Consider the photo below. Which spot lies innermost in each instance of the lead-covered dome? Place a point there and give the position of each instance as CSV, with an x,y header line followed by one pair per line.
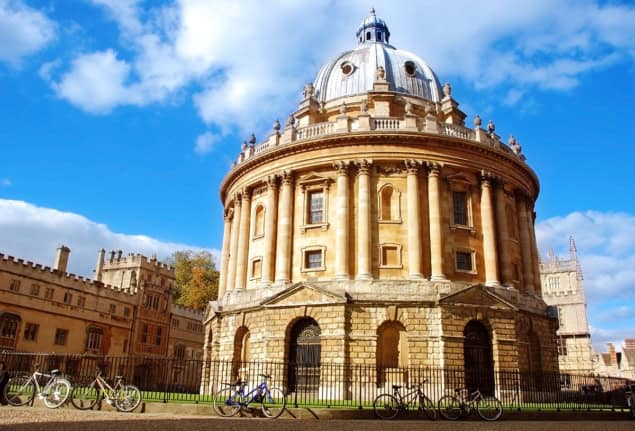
x,y
354,72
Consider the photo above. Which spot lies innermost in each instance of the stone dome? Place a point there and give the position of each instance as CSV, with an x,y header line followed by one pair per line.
x,y
353,72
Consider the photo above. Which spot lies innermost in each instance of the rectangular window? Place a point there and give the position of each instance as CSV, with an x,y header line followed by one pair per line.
x,y
464,261
175,323
61,335
390,256
126,312
561,343
313,259
256,268
144,333
30,331
94,339
554,282
316,207
35,289
560,318
112,309
125,346
81,301
68,297
459,201
15,286
157,338
48,293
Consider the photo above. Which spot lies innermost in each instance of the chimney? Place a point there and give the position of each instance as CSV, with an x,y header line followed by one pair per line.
x,y
99,268
61,258
612,353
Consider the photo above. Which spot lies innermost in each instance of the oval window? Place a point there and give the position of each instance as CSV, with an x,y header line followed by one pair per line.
x,y
347,68
410,68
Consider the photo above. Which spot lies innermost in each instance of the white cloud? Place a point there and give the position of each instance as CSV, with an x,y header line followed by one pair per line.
x,y
205,143
23,31
6,182
34,233
237,57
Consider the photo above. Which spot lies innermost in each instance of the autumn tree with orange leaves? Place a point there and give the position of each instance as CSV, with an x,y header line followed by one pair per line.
x,y
196,278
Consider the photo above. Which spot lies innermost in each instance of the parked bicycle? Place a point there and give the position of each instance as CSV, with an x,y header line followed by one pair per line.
x,y
452,407
21,390
125,398
388,406
232,398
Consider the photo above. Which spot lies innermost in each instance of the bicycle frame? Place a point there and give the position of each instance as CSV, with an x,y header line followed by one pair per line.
x,y
408,398
34,377
257,391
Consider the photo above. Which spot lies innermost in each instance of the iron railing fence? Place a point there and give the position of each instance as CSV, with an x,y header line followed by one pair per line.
x,y
329,384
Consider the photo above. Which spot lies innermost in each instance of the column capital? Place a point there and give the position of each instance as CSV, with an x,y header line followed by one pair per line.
x,y
341,167
236,197
272,182
434,168
522,196
245,194
412,166
228,214
363,166
286,177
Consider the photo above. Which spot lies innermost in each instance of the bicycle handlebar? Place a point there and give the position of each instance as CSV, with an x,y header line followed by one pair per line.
x,y
265,376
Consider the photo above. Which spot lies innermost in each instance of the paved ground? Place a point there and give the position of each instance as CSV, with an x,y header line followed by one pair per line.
x,y
36,419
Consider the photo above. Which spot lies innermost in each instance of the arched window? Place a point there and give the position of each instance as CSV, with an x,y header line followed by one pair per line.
x,y
241,351
9,323
389,204
368,35
94,336
259,221
304,356
477,357
392,345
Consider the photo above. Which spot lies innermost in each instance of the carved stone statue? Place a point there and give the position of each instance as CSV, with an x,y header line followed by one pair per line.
x,y
409,108
363,106
308,90
447,89
290,121
381,73
514,145
491,126
477,121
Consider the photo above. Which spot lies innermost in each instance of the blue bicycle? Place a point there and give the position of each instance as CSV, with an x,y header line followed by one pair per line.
x,y
232,398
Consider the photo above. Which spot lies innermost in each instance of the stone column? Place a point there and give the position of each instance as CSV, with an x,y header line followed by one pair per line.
x,y
436,231
285,226
503,235
224,257
230,281
534,250
271,216
363,221
342,271
243,240
525,243
415,248
489,234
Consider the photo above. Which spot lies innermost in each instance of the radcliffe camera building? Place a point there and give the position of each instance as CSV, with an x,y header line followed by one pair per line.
x,y
374,227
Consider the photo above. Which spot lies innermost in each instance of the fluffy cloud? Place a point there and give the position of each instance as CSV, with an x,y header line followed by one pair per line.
x,y
34,233
205,143
235,58
23,31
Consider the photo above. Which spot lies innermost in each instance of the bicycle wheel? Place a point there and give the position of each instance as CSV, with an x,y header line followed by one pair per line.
x,y
449,407
19,390
274,401
428,408
386,406
57,393
127,398
489,409
85,397
227,402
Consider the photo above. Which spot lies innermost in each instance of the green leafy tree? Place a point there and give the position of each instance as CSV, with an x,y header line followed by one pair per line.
x,y
196,278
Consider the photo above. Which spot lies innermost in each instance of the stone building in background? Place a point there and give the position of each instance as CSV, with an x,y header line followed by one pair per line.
x,y
563,287
125,311
374,227
616,364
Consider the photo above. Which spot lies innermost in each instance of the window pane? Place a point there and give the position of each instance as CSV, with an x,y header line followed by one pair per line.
x,y
464,261
313,259
460,208
316,207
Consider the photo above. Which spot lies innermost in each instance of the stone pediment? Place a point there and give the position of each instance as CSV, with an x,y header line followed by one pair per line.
x,y
306,294
477,295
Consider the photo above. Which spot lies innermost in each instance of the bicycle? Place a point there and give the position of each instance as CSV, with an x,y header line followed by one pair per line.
x,y
452,407
21,390
230,400
125,398
387,406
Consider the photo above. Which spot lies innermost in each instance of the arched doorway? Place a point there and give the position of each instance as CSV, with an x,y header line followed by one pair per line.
x,y
241,356
305,352
392,353
477,357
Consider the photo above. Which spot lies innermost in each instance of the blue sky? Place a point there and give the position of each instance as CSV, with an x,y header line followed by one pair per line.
x,y
119,118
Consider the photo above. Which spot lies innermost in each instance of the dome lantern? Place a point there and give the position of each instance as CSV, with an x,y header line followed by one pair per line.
x,y
373,29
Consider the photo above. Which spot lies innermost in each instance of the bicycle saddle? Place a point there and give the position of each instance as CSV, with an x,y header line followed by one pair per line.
x,y
56,372
118,377
396,386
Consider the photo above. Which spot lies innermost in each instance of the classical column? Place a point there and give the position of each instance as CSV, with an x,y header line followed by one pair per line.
x,y
525,243
489,234
285,226
271,214
503,235
243,240
534,250
224,257
230,281
436,232
415,248
342,271
363,221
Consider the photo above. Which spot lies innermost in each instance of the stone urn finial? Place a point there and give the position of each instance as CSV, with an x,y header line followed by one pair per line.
x,y
308,90
381,73
491,126
276,126
514,145
447,90
290,121
477,121
252,140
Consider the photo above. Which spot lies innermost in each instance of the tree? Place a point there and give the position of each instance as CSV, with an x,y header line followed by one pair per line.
x,y
196,278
